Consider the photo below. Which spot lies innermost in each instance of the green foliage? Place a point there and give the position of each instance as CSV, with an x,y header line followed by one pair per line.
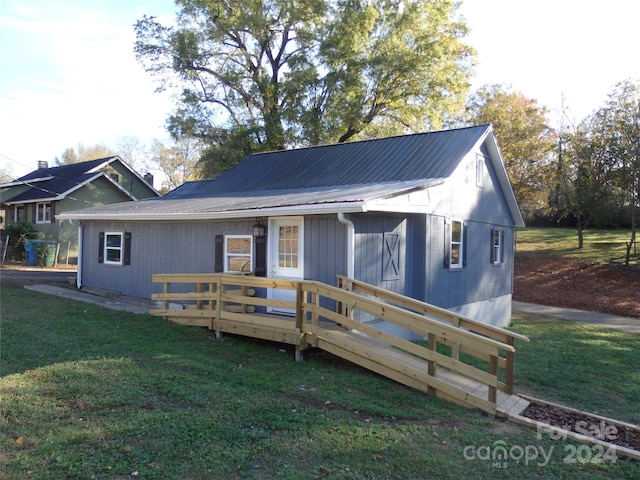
x,y
95,393
598,166
282,73
18,232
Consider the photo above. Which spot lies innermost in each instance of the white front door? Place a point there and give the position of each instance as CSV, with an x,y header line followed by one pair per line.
x,y
286,260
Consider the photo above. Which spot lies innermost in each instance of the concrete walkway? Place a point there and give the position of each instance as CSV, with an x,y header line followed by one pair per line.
x,y
626,324
141,305
114,302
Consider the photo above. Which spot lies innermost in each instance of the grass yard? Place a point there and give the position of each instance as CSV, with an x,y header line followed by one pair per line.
x,y
94,393
600,246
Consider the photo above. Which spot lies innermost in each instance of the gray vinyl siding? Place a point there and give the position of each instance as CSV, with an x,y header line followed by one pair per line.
x,y
178,247
370,251
188,247
480,279
325,248
371,255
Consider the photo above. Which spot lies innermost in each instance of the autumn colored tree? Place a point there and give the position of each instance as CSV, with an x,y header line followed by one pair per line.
x,y
178,162
526,141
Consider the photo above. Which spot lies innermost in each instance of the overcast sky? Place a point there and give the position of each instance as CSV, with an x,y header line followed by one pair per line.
x,y
68,73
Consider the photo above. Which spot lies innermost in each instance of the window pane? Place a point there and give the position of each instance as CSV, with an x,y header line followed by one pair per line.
x,y
113,255
456,231
239,245
238,264
114,241
455,254
288,246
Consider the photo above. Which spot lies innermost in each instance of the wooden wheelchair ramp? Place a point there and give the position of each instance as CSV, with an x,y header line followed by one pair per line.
x,y
460,359
413,371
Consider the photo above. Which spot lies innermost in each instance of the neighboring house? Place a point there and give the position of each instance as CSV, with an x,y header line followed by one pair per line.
x,y
42,195
431,216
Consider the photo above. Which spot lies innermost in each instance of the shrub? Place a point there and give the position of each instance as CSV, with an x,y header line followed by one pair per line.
x,y
18,232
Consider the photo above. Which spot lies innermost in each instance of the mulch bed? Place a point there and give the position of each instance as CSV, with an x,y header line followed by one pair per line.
x,y
571,283
580,423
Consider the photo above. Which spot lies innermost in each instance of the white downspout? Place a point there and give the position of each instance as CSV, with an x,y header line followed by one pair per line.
x,y
351,242
79,269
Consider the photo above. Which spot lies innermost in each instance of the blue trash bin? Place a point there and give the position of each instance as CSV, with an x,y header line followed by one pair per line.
x,y
45,252
30,254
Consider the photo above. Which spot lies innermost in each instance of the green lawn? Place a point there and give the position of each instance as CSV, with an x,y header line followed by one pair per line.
x,y
601,246
93,393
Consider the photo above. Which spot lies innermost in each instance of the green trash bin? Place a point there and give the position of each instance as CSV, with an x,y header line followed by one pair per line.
x,y
45,252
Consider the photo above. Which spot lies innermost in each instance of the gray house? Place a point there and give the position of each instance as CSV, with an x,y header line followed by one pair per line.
x,y
431,216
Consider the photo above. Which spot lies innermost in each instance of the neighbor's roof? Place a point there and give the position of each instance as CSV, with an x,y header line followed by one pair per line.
x,y
323,179
55,183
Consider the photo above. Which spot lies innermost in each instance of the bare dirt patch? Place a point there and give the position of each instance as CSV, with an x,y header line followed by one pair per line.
x,y
570,283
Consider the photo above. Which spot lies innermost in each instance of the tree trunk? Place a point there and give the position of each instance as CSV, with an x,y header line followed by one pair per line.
x,y
580,229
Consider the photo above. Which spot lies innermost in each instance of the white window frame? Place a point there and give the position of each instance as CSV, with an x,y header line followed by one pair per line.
x,y
17,209
43,214
479,171
108,248
458,244
227,255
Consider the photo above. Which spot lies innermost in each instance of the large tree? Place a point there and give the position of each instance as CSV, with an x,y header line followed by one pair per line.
x,y
620,127
270,74
525,138
584,174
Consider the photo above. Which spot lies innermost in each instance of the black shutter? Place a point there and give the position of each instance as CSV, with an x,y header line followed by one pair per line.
x,y
447,242
260,268
219,251
101,247
127,248
53,212
492,257
502,246
465,227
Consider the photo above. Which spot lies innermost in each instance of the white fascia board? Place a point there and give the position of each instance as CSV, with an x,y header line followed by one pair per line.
x,y
489,139
26,182
125,165
37,200
91,179
319,209
415,201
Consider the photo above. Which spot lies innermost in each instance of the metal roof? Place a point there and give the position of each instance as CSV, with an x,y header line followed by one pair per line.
x,y
343,198
423,156
324,179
